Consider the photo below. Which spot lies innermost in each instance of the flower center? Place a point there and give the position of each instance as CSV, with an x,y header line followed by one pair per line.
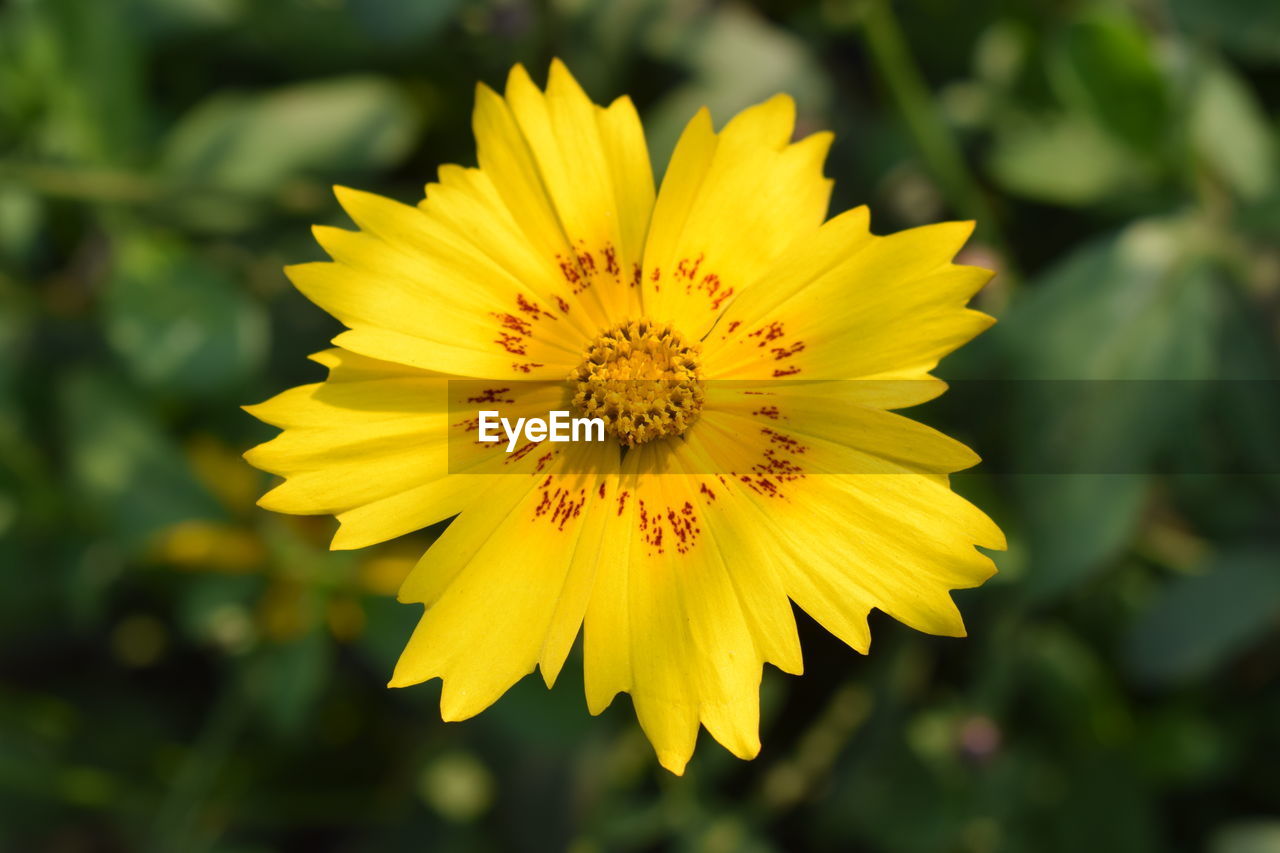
x,y
642,379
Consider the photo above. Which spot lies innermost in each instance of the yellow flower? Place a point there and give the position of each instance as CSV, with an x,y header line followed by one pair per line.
x,y
679,558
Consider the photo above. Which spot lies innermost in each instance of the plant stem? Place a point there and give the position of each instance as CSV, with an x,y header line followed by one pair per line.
x,y
895,65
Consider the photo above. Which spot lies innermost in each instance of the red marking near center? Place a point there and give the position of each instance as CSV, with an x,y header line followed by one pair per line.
x,y
786,442
779,353
520,453
562,505
513,344
689,269
490,395
668,526
768,333
527,307
577,270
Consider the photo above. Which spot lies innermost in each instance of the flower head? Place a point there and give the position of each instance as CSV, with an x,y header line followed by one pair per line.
x,y
744,357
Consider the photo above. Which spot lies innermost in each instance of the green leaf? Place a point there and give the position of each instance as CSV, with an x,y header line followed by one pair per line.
x,y
181,326
1064,159
1253,836
737,58
292,677
255,143
1230,130
1075,524
123,466
1135,305
22,223
1079,699
1200,622
397,22
1113,320
165,20
1103,64
1180,745
1250,28
96,85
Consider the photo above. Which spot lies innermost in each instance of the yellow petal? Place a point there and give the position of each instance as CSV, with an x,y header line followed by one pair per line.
x,y
347,366
414,508
730,204
843,304
843,414
391,455
577,180
466,203
681,618
416,351
493,584
890,537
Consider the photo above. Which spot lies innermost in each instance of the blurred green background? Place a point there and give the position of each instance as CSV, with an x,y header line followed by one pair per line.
x,y
180,671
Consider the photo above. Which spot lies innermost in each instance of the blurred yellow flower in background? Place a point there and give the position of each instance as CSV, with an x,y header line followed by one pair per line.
x,y
307,585
744,356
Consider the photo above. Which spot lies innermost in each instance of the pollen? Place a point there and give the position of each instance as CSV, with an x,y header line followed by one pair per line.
x,y
642,379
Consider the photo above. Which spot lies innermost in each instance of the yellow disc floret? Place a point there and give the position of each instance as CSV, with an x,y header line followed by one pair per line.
x,y
642,379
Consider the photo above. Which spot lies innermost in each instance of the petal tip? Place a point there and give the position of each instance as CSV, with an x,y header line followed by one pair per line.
x,y
673,762
518,77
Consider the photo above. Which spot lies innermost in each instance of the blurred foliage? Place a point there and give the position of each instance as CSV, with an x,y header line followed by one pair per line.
x,y
182,671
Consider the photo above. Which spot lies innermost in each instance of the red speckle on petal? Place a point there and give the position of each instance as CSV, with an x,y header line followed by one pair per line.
x,y
780,353
526,307
490,395
768,333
